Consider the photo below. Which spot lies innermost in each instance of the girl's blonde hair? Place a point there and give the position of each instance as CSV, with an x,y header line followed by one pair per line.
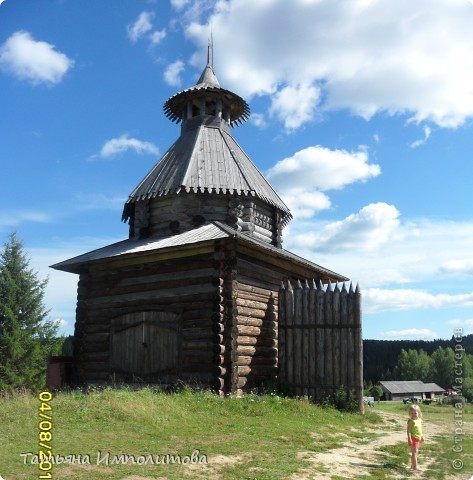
x,y
416,408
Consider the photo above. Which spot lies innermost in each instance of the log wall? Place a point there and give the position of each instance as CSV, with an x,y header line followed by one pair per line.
x,y
188,290
320,341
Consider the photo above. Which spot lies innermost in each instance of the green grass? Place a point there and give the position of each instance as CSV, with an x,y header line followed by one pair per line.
x,y
260,435
249,438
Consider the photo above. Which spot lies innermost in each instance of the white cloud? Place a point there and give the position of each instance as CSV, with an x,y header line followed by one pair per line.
x,y
258,120
116,146
157,36
458,267
411,333
382,300
140,27
418,143
366,230
323,169
295,105
367,57
179,4
34,61
302,178
172,73
16,218
305,204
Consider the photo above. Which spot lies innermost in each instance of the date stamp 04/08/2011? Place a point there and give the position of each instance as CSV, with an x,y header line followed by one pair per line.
x,y
45,436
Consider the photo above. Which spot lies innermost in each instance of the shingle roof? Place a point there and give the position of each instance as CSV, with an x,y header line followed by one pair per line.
x,y
206,158
410,386
205,233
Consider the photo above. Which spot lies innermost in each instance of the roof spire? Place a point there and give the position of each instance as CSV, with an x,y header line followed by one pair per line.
x,y
210,51
208,75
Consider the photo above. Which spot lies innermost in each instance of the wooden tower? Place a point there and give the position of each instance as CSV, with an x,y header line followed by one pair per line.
x,y
192,294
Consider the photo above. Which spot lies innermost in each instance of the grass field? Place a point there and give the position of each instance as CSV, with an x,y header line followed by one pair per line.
x,y
254,437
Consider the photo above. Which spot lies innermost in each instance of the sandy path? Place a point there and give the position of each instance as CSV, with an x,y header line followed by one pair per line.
x,y
357,457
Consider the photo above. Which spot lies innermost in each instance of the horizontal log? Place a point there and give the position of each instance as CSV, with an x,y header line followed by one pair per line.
x,y
117,273
197,357
257,291
203,344
197,369
96,357
243,302
244,360
267,342
194,314
219,371
252,350
251,312
162,296
250,331
189,334
258,370
92,366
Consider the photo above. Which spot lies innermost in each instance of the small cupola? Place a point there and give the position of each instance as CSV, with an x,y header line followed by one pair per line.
x,y
207,98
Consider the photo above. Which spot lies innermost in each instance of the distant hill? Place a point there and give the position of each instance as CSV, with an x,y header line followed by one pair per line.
x,y
380,356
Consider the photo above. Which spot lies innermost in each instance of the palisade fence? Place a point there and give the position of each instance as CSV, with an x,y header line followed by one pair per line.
x,y
320,346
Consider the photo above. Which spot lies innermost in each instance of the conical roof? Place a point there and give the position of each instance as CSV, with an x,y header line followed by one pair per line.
x,y
207,159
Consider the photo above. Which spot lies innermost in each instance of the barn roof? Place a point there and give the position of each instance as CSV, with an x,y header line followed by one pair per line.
x,y
409,386
206,233
206,158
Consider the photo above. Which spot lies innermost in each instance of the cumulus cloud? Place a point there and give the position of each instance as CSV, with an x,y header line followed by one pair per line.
x,y
295,105
367,57
324,169
172,73
458,267
117,146
377,300
411,333
371,227
34,61
303,177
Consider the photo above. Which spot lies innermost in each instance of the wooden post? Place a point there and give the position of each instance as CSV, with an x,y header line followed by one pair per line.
x,y
289,333
358,347
328,321
305,343
320,339
336,337
297,337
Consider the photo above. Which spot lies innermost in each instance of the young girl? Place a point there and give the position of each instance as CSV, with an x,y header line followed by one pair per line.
x,y
414,433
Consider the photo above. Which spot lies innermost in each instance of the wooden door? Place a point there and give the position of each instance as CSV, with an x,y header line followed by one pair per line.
x,y
145,346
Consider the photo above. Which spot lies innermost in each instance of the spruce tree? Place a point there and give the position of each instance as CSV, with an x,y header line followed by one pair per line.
x,y
26,336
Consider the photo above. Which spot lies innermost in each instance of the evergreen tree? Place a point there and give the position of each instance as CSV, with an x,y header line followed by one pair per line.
x,y
26,336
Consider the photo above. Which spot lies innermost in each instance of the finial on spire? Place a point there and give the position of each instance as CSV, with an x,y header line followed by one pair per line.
x,y
210,51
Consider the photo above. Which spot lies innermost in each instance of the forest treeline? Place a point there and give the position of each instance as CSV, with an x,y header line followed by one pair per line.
x,y
380,357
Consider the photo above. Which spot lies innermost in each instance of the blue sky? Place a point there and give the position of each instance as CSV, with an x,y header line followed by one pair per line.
x,y
361,119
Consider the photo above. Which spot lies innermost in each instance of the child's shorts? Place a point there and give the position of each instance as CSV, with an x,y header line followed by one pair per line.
x,y
415,441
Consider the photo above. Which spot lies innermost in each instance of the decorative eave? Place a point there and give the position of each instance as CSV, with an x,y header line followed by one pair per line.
x,y
176,105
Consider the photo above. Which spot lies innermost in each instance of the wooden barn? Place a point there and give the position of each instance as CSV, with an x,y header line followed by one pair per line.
x,y
192,294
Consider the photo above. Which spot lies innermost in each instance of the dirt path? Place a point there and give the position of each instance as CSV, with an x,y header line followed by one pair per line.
x,y
359,457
